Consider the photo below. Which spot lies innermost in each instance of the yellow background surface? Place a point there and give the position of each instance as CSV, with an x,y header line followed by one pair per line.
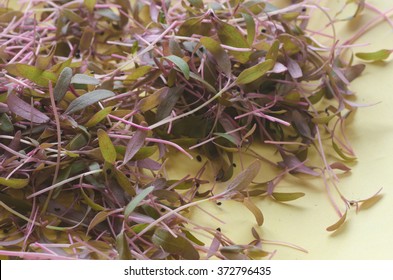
x,y
366,234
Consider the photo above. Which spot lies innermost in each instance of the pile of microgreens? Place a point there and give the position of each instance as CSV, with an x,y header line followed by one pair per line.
x,y
96,96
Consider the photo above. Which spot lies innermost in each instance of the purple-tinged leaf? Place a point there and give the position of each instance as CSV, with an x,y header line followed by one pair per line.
x,y
146,163
354,71
84,80
340,166
88,99
3,108
293,163
63,82
175,245
98,218
301,124
244,178
294,69
219,54
25,110
135,144
254,210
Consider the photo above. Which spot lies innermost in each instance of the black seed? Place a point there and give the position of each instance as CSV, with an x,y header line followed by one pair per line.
x,y
57,209
263,30
234,164
77,54
218,229
198,158
304,9
218,203
108,172
162,209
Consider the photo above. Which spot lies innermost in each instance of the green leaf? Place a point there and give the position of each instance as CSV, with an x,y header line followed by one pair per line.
x,y
25,110
374,56
108,13
87,39
63,82
194,26
137,73
14,183
153,100
244,178
34,74
100,217
124,182
338,224
123,247
84,80
273,50
227,136
43,62
196,3
88,99
72,16
89,4
341,153
287,196
250,25
208,86
174,245
106,146
254,210
218,53
181,64
98,117
255,72
231,36
90,202
136,200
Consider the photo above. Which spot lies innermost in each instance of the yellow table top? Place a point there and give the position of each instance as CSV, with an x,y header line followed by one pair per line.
x,y
303,222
